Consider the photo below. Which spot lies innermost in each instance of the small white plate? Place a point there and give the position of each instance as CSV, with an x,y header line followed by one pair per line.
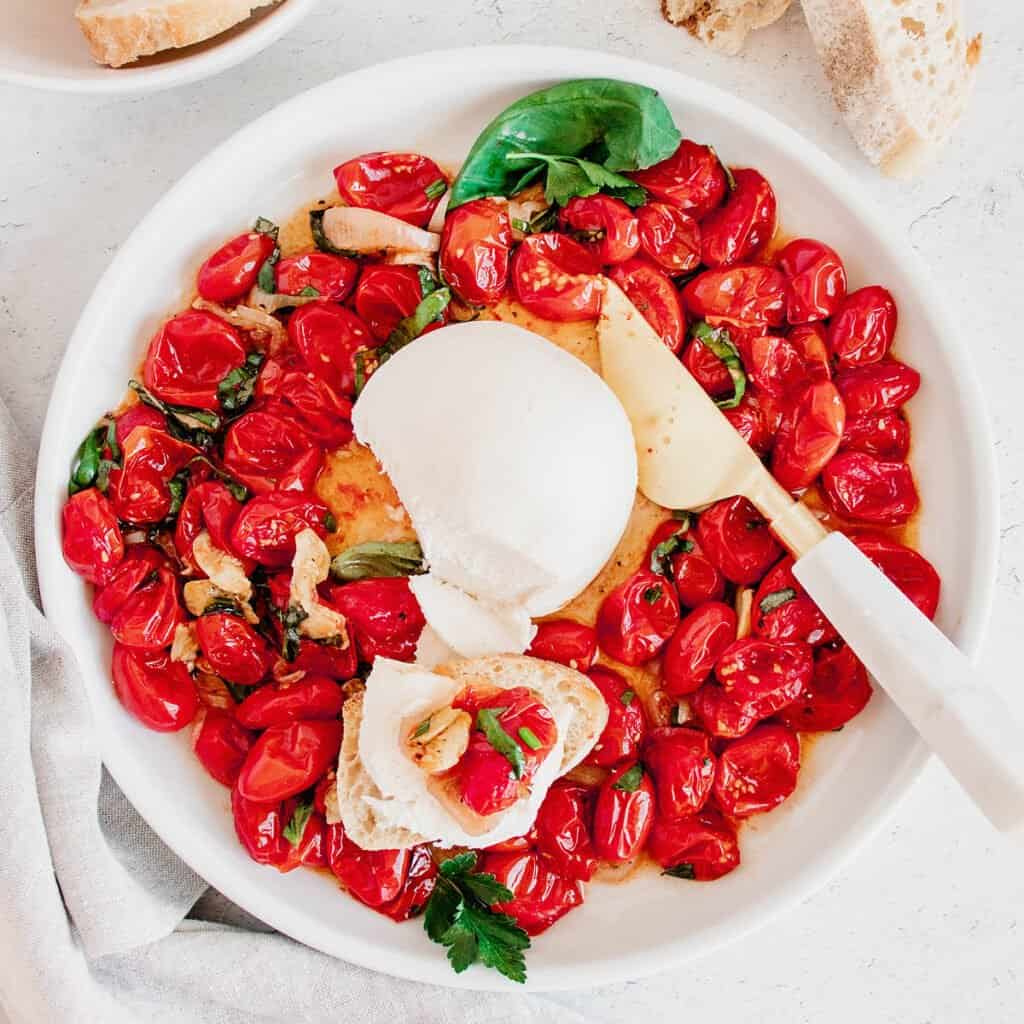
x,y
437,103
42,46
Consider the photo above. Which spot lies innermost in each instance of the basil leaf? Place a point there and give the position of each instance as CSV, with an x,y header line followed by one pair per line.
x,y
197,426
292,639
86,465
222,606
629,122
529,737
236,389
718,342
377,559
652,595
266,280
683,870
309,292
629,782
776,599
320,239
431,308
428,283
627,697
487,722
177,485
436,189
422,728
661,556
263,226
300,817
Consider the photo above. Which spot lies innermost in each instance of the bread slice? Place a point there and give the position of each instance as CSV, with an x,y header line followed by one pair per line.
x,y
723,24
901,73
121,31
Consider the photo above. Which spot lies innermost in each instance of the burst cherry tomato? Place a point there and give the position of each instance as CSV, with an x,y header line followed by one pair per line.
x,y
783,612
751,295
886,435
741,227
301,476
259,827
92,543
736,538
311,698
809,435
817,280
707,369
623,814
157,691
556,278
287,759
695,646
404,185
692,179
670,237
759,671
475,248
310,847
143,603
908,569
775,366
261,446
809,342
626,723
637,617
328,337
606,226
673,551
726,718
209,506
265,529
138,415
861,487
221,744
879,386
386,295
750,419
189,356
838,690
234,649
567,642
683,768
139,566
563,831
319,411
652,292
756,773
862,330
332,277
140,490
540,896
232,270
374,877
384,617
702,847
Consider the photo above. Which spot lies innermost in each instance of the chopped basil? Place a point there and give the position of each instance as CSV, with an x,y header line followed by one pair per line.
x,y
238,490
652,595
377,559
266,280
197,426
222,606
297,826
717,341
661,556
683,870
629,782
263,226
292,639
237,691
177,485
309,292
236,389
487,722
529,737
422,727
428,283
330,523
436,189
627,697
430,309
90,467
359,361
520,225
323,243
776,599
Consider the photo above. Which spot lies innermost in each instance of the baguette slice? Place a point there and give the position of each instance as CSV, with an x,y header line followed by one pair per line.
x,y
723,24
121,31
901,73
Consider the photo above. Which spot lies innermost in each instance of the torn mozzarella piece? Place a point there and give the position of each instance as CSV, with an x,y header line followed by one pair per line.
x,y
310,567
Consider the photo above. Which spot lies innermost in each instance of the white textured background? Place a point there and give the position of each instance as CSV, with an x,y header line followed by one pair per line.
x,y
927,926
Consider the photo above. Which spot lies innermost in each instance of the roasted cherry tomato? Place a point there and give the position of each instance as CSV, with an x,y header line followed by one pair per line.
x,y
683,768
637,617
221,744
726,718
670,237
736,538
692,179
138,415
92,543
784,613
746,295
306,399
809,342
908,569
623,814
751,422
775,366
817,280
604,225
756,670
287,759
384,616
374,877
310,847
328,336
756,773
741,227
420,878
140,490
879,386
301,476
707,369
475,249
540,896
859,486
808,436
234,649
485,778
695,646
626,723
886,435
139,566
702,847
838,690
144,604
261,446
404,185
265,529
862,330
157,691
673,551
189,356
387,294
232,270
331,277
567,642
556,278
209,506
652,292
311,698
259,827
563,831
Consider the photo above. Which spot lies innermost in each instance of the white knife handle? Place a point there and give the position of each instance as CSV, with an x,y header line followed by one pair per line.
x,y
966,724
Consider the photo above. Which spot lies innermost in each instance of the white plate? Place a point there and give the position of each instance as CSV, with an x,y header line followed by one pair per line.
x,y
437,103
41,46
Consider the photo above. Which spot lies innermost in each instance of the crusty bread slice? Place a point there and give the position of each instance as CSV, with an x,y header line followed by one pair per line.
x,y
901,73
723,24
121,31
